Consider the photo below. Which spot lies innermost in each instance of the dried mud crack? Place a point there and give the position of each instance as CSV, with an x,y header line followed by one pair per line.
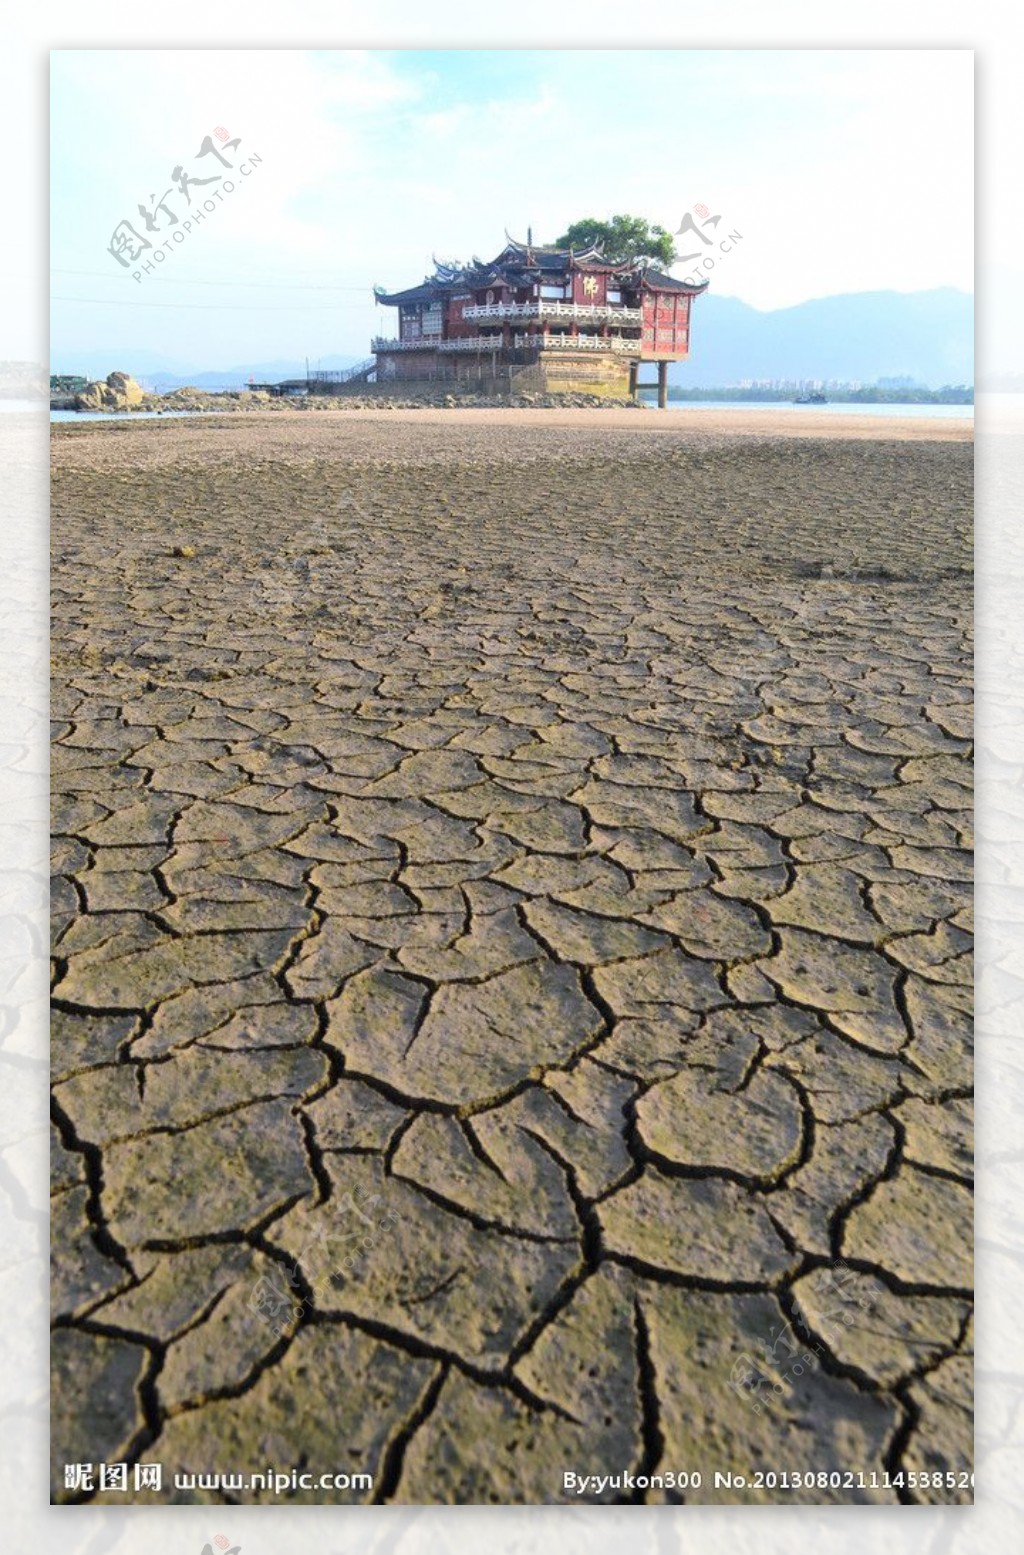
x,y
511,933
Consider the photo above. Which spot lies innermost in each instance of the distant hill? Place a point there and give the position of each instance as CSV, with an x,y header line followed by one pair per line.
x,y
238,377
161,373
855,337
22,380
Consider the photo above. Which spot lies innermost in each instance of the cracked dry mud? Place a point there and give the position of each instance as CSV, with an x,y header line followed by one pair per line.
x,y
513,884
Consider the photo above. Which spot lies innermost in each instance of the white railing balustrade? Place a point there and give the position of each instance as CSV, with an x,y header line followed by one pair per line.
x,y
435,343
577,343
473,343
532,342
581,312
500,310
380,344
595,313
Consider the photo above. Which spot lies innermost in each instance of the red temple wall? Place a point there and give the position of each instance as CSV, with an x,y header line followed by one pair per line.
x,y
666,323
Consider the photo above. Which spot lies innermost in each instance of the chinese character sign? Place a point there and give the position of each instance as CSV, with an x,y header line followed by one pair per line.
x,y
192,195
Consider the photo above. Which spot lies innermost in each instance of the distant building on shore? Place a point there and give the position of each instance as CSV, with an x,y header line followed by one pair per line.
x,y
534,318
65,389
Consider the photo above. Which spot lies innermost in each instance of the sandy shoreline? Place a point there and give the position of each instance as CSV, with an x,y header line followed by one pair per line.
x,y
631,447
741,423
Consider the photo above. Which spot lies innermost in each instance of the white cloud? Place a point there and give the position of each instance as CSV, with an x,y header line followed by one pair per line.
x,y
844,171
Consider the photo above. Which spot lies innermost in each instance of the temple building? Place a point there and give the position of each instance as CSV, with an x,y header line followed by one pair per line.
x,y
547,319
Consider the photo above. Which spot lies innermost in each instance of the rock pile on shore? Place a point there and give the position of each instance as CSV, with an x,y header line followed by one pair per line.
x,y
120,392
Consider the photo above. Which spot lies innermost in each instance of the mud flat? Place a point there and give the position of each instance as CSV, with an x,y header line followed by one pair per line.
x,y
511,933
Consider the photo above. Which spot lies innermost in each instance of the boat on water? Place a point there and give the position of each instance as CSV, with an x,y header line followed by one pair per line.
x,y
814,398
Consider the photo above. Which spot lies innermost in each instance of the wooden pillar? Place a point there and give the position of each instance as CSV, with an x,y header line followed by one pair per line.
x,y
662,385
633,369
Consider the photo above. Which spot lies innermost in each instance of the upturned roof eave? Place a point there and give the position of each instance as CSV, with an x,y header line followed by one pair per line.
x,y
530,262
658,281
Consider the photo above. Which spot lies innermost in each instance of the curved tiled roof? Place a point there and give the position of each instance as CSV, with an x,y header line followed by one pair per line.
x,y
427,291
658,281
519,264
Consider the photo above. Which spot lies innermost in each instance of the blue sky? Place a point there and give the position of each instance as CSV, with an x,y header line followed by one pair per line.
x,y
843,171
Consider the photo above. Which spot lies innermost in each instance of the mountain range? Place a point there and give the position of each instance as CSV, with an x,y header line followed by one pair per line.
x,y
161,373
856,337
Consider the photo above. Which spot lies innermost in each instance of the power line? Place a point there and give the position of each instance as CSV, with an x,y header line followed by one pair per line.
x,y
210,307
105,275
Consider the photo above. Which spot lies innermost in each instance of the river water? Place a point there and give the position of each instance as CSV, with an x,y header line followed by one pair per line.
x,y
911,412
